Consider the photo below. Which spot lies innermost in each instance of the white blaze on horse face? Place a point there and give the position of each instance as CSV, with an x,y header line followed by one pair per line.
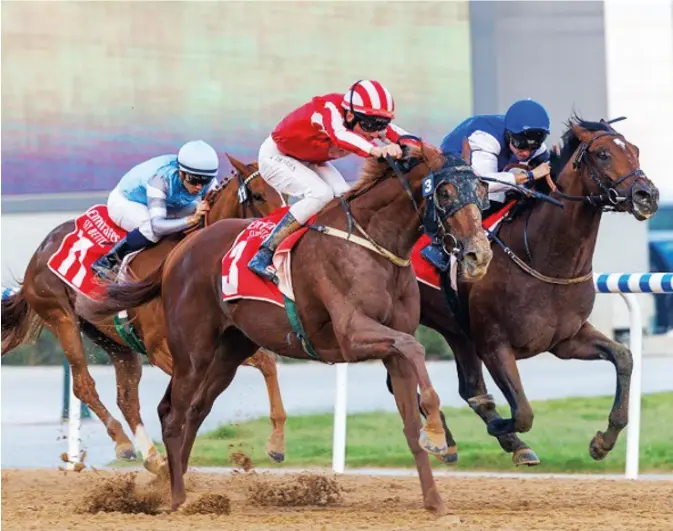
x,y
620,143
144,441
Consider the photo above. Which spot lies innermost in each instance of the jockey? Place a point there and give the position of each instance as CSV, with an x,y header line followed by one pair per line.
x,y
158,197
294,159
494,141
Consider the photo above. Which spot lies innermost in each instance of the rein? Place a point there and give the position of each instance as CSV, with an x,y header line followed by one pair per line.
x,y
431,218
608,199
244,198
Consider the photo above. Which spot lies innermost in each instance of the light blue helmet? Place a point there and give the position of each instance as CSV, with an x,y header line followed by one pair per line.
x,y
525,115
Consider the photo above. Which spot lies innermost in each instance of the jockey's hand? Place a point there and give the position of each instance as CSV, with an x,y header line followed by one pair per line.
x,y
541,171
201,210
394,150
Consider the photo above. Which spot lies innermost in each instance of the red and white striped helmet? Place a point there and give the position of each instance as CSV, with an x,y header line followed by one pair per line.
x,y
371,98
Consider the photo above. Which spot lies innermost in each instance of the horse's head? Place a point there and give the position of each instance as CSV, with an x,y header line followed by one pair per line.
x,y
245,195
453,198
609,169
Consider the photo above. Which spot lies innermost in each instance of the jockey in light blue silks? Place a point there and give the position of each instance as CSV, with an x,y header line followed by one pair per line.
x,y
496,140
158,197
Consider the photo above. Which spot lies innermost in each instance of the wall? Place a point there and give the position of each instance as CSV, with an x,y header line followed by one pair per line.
x,y
83,100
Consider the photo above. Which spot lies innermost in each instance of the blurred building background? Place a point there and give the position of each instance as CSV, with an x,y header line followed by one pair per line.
x,y
90,89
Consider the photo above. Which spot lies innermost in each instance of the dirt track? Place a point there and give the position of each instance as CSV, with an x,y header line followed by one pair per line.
x,y
46,499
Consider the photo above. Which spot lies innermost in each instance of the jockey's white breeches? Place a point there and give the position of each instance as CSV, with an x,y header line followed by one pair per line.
x,y
130,215
315,184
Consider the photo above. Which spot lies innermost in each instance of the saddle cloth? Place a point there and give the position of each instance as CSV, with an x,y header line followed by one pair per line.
x,y
95,234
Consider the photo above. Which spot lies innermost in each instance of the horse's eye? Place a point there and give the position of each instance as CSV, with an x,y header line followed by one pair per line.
x,y
258,197
603,155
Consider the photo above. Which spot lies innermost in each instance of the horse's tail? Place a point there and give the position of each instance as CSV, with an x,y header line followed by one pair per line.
x,y
20,323
122,296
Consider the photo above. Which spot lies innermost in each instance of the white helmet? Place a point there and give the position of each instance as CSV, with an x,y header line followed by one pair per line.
x,y
199,158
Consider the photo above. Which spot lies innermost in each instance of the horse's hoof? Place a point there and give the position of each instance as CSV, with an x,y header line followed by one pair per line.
x,y
435,445
436,507
500,427
126,452
525,456
156,464
451,457
597,448
276,456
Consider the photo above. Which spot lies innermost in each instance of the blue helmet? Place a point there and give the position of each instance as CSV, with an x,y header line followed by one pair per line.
x,y
527,114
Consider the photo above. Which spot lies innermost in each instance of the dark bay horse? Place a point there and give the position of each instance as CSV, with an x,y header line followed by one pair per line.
x,y
538,292
355,304
45,300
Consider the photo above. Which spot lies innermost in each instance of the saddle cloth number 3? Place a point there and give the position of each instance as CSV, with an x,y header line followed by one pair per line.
x,y
230,281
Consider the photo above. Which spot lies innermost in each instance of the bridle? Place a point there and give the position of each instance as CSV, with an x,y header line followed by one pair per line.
x,y
610,196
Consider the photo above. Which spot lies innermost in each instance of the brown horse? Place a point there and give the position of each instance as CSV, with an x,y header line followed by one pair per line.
x,y
355,303
44,299
524,307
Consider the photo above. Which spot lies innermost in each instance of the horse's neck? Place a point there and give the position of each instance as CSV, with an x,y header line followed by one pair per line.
x,y
226,205
563,240
388,216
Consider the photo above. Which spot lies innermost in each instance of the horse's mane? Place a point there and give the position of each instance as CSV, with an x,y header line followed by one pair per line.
x,y
373,171
570,142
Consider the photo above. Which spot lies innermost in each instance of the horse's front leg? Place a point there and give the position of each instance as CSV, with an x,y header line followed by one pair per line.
x,y
500,361
362,338
265,362
590,344
472,389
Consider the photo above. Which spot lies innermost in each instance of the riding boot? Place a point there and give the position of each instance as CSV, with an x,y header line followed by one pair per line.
x,y
133,241
435,254
261,263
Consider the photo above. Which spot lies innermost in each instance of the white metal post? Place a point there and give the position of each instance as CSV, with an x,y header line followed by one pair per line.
x,y
74,424
636,346
340,404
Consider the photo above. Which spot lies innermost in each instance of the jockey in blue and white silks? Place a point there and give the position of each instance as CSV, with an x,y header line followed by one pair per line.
x,y
158,197
496,140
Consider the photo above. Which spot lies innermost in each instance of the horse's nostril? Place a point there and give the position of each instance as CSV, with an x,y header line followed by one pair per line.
x,y
471,257
642,197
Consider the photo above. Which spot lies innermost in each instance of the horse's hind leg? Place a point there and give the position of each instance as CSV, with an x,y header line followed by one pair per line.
x,y
65,327
266,363
472,389
590,344
234,348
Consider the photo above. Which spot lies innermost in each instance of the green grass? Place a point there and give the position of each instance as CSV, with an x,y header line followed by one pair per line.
x,y
561,433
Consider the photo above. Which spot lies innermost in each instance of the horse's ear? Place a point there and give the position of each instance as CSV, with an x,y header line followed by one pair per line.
x,y
237,164
582,134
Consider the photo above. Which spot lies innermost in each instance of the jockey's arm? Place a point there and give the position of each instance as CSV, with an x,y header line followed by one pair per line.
x,y
157,190
394,132
484,161
332,121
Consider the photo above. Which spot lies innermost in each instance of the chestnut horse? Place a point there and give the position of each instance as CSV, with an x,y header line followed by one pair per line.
x,y
355,303
44,299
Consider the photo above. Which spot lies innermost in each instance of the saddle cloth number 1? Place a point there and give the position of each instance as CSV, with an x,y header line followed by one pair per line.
x,y
77,252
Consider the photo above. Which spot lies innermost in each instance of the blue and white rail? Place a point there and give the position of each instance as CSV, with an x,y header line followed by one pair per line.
x,y
625,284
